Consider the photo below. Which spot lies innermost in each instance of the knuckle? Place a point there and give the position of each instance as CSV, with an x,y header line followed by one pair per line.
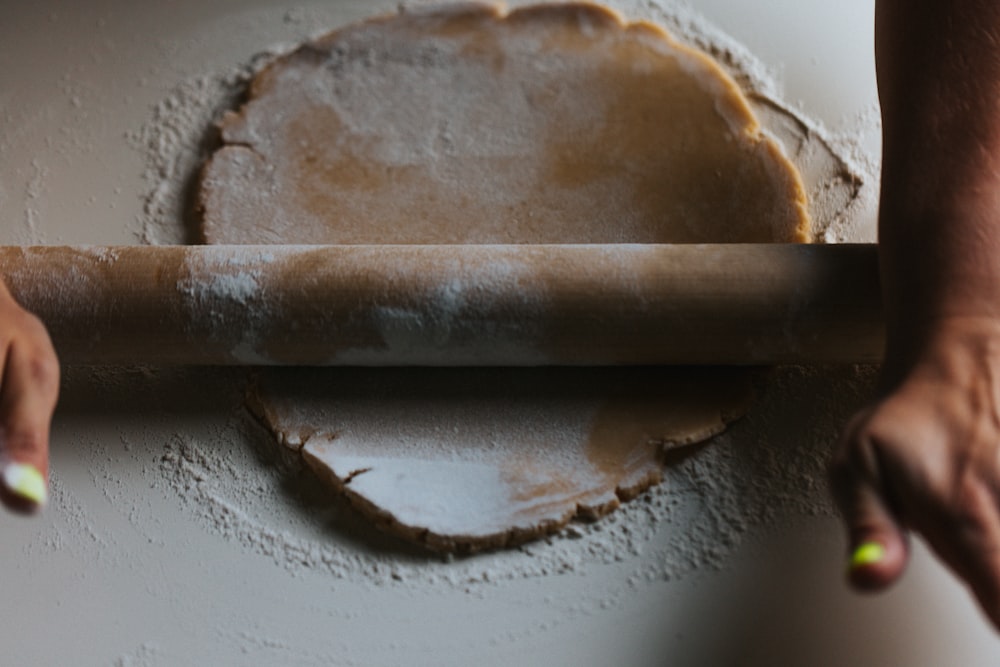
x,y
24,441
43,371
35,329
39,359
971,502
856,454
22,324
852,461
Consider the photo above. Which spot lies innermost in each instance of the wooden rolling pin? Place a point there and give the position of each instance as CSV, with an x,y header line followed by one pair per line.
x,y
453,305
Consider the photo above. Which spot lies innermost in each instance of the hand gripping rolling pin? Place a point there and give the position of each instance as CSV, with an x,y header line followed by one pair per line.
x,y
448,305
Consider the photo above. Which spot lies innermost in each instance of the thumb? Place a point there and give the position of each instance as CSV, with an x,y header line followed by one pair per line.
x,y
878,548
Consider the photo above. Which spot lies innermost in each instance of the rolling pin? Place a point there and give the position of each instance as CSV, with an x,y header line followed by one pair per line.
x,y
488,305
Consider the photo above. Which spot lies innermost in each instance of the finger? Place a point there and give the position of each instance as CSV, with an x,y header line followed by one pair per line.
x,y
878,548
28,397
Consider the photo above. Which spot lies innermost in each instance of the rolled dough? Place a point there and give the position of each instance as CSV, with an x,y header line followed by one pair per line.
x,y
463,124
469,459
552,124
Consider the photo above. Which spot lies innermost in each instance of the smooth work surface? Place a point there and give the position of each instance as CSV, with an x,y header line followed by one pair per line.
x,y
175,537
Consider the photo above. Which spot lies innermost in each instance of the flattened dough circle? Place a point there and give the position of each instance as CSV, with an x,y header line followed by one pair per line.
x,y
550,124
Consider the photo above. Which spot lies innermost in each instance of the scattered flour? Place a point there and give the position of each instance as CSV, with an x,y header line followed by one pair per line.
x,y
770,465
243,487
34,190
146,655
174,143
181,134
222,294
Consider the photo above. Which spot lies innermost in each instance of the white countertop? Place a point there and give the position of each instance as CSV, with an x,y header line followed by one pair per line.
x,y
126,567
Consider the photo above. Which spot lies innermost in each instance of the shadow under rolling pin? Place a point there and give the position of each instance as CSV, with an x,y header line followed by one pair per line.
x,y
453,305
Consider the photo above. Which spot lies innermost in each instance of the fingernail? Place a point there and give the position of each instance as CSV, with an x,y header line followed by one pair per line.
x,y
867,553
26,481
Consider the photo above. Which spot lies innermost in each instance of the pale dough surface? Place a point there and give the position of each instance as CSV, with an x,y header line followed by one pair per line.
x,y
552,124
549,124
467,459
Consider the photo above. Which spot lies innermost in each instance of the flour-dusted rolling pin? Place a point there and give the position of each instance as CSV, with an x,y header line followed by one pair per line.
x,y
453,305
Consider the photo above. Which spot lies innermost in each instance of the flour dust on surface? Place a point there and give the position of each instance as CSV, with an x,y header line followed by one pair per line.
x,y
770,465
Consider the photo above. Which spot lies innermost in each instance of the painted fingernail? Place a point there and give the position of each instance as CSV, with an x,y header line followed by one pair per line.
x,y
26,481
867,553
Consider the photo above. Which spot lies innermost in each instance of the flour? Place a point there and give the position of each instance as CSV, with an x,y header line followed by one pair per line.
x,y
839,172
844,190
423,129
262,498
175,142
695,519
223,294
455,315
146,655
34,190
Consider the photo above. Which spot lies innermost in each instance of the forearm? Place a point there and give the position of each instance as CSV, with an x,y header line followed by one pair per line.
x,y
939,224
922,457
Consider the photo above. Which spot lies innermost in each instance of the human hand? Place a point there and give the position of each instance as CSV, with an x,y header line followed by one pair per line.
x,y
29,388
925,457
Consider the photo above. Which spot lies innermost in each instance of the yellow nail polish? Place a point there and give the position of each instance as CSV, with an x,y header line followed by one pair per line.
x,y
867,553
26,481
